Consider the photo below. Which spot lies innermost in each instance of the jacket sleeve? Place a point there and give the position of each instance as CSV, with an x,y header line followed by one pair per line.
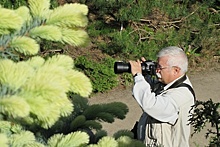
x,y
161,107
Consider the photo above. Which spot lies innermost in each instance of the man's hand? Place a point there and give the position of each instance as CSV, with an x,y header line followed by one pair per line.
x,y
135,67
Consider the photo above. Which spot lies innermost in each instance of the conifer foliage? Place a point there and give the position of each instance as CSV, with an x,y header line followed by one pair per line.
x,y
28,88
38,102
22,29
33,93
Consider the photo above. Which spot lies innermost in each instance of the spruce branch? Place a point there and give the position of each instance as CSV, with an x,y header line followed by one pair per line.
x,y
14,106
100,134
125,141
25,45
52,33
106,117
24,13
106,112
80,103
107,142
21,139
40,8
39,82
92,124
73,139
64,24
69,15
63,61
91,112
14,75
75,37
3,140
79,83
65,106
10,24
120,133
117,109
9,128
77,122
36,62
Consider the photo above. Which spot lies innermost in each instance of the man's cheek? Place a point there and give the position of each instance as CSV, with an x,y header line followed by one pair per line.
x,y
158,75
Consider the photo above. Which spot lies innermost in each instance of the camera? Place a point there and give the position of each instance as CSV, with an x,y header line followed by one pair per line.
x,y
148,67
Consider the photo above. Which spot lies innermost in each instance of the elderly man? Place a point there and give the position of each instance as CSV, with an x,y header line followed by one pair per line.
x,y
167,113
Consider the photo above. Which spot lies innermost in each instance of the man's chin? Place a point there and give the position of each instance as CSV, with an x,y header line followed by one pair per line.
x,y
159,79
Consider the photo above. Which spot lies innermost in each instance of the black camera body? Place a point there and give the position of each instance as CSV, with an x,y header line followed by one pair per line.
x,y
148,67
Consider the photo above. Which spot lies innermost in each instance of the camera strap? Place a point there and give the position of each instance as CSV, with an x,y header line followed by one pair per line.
x,y
179,83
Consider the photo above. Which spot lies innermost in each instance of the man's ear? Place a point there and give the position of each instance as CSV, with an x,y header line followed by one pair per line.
x,y
177,70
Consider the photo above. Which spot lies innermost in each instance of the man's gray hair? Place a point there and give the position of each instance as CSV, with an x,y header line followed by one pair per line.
x,y
177,57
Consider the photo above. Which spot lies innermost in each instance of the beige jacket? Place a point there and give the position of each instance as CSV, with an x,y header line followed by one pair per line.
x,y
171,108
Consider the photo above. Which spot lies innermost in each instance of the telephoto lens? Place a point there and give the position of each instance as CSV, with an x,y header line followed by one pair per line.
x,y
148,67
121,67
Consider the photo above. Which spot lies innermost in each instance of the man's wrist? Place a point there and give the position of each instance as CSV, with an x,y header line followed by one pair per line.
x,y
137,74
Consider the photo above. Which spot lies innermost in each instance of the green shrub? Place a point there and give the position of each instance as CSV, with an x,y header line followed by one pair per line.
x,y
13,3
100,73
132,29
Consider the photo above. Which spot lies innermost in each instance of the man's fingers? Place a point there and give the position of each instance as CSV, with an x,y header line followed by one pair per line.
x,y
135,67
143,59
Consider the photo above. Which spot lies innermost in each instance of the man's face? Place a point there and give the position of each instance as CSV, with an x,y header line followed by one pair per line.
x,y
164,71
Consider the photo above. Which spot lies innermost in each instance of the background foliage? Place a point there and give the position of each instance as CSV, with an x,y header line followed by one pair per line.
x,y
130,29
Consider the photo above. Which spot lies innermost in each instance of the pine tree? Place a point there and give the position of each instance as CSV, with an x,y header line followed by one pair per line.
x,y
34,92
38,96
